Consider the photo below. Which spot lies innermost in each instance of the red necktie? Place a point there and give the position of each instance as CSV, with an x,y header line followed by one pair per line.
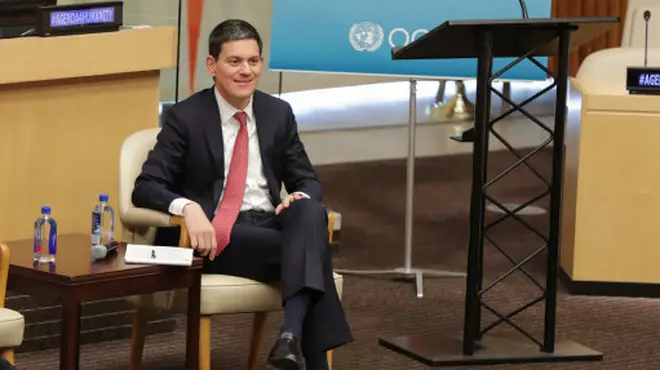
x,y
232,198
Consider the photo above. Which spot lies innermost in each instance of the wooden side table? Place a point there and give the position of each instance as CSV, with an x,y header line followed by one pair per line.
x,y
75,279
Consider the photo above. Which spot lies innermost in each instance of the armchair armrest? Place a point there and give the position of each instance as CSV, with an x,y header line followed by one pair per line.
x,y
135,218
184,239
4,272
142,217
139,225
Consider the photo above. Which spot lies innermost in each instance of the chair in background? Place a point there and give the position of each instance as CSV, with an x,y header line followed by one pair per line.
x,y
12,323
221,294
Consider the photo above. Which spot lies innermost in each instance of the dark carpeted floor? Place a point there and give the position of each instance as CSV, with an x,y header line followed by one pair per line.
x,y
371,199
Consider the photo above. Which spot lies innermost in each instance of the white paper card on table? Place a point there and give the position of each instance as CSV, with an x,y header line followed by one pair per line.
x,y
155,255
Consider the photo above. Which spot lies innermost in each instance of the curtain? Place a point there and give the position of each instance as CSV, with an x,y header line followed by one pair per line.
x,y
590,8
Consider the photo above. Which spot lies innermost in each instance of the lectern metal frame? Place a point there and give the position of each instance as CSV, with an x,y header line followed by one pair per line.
x,y
542,37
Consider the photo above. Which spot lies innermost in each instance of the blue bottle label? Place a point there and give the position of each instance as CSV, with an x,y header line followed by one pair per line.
x,y
52,241
96,228
96,222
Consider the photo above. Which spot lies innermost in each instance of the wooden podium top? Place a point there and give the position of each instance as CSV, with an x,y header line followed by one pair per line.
x,y
33,59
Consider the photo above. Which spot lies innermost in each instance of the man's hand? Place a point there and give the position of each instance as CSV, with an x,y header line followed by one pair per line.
x,y
288,200
200,230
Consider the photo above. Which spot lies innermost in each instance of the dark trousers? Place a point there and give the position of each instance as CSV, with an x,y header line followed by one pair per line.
x,y
5,365
291,248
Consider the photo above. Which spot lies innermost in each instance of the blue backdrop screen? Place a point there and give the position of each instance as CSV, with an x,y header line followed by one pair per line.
x,y
356,36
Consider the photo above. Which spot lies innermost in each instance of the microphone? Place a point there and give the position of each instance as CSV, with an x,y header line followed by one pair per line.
x,y
100,251
523,7
647,16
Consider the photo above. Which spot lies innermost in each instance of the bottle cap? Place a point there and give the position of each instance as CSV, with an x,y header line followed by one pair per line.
x,y
45,210
103,197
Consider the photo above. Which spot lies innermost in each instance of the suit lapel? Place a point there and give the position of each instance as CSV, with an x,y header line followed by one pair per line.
x,y
265,134
213,126
263,128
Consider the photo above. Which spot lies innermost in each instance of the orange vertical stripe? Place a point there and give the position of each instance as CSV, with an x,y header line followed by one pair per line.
x,y
194,25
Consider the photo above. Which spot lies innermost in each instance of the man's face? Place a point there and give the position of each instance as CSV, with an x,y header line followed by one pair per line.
x,y
237,70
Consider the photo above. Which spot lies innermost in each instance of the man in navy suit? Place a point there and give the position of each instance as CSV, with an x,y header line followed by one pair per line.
x,y
219,161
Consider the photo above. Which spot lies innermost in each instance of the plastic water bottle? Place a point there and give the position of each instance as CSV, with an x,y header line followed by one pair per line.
x,y
103,222
45,237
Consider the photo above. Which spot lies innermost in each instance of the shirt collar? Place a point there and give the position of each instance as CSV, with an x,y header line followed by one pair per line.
x,y
227,110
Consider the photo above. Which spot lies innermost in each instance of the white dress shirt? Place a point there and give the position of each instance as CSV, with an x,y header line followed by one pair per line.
x,y
257,196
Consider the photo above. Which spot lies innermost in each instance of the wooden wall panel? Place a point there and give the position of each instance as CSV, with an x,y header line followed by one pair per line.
x,y
617,8
591,8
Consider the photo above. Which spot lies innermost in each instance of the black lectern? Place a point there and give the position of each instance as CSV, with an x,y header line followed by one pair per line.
x,y
521,39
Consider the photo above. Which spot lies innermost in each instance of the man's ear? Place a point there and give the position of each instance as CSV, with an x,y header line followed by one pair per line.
x,y
210,65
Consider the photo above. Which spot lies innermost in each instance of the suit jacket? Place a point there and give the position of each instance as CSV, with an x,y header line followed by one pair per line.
x,y
188,158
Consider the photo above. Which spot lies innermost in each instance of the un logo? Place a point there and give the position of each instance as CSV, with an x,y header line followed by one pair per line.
x,y
366,36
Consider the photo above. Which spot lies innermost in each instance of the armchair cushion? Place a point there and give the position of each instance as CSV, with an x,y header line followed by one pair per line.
x,y
224,294
12,327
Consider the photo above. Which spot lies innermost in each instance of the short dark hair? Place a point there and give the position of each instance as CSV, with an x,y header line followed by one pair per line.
x,y
232,30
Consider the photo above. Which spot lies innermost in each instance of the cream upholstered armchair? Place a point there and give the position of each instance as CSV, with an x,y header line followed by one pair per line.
x,y
12,323
221,294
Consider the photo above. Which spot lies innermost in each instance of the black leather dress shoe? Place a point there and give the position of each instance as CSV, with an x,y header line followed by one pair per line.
x,y
286,353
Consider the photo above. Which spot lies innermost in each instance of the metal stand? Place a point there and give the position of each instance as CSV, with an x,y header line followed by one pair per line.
x,y
407,272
